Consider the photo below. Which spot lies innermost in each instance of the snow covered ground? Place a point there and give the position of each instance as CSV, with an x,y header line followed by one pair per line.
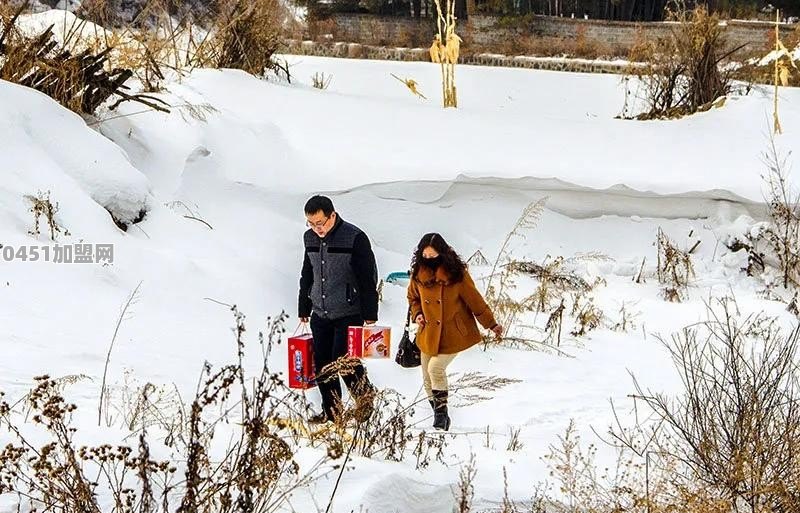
x,y
243,154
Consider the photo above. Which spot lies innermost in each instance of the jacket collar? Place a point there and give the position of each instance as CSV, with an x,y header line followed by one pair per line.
x,y
428,278
339,222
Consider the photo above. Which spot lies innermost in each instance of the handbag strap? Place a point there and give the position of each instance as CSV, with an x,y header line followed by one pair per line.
x,y
408,320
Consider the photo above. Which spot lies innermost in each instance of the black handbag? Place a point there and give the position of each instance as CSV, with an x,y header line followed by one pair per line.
x,y
408,354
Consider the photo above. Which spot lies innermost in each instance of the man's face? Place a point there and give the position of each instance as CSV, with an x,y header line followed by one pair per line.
x,y
320,223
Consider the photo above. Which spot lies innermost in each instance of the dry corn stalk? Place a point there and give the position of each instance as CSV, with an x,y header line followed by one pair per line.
x,y
781,69
437,50
452,46
444,51
411,84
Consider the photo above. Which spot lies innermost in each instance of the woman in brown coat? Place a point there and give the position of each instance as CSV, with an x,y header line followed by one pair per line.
x,y
444,303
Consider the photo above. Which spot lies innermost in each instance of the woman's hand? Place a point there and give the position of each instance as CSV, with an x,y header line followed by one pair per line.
x,y
498,331
420,320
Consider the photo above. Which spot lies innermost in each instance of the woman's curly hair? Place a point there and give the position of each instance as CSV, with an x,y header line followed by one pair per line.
x,y
451,262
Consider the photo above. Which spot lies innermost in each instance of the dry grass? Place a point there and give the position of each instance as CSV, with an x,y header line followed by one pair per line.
x,y
556,279
587,316
474,387
501,278
73,72
514,442
41,206
148,406
465,490
627,318
320,81
555,325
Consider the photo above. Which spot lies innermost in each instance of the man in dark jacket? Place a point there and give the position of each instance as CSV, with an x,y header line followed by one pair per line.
x,y
338,288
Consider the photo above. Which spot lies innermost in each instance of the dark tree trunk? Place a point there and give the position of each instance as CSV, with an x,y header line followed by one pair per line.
x,y
461,9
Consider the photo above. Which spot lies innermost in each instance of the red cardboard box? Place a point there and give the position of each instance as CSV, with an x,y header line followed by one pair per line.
x,y
368,341
301,362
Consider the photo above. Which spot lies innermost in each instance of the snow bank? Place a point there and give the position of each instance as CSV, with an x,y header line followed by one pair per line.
x,y
66,26
511,124
51,148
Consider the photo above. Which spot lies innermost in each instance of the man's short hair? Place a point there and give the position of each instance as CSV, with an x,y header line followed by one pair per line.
x,y
317,203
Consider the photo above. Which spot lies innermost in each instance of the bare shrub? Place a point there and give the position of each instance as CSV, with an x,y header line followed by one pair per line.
x,y
736,427
783,234
53,476
675,269
163,37
727,444
575,471
682,73
256,471
773,246
41,206
249,34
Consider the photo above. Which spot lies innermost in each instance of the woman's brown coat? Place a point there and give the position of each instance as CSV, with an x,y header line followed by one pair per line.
x,y
450,310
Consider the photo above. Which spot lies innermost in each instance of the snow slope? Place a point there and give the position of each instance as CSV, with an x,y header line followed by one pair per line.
x,y
63,155
242,155
543,125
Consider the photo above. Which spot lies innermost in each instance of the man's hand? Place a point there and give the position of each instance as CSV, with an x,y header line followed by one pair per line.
x,y
369,323
420,320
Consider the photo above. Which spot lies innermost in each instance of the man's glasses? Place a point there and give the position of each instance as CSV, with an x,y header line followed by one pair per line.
x,y
319,224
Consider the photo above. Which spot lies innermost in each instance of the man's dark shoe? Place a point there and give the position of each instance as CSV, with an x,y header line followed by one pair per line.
x,y
319,418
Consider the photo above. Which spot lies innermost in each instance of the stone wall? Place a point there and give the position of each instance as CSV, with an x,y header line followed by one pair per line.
x,y
361,51
365,28
487,31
